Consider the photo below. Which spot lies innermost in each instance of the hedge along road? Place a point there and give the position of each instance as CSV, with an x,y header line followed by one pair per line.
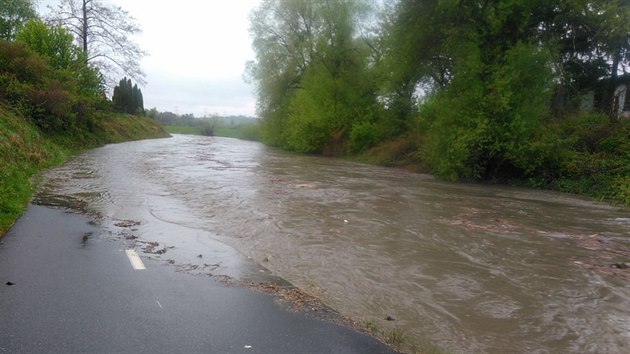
x,y
473,268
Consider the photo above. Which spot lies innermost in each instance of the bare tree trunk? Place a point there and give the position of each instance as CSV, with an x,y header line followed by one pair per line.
x,y
84,34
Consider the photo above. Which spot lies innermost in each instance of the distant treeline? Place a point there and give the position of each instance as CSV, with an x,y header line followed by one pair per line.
x,y
237,126
466,90
170,118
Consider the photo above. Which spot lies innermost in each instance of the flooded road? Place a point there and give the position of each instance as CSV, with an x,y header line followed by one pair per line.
x,y
471,268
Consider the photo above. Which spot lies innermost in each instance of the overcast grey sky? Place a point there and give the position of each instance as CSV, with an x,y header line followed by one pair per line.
x,y
197,54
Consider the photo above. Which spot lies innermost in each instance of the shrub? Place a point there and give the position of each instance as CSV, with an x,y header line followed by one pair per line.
x,y
482,124
364,135
53,108
621,190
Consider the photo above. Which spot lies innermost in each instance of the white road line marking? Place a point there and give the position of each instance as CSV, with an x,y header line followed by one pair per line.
x,y
158,302
135,260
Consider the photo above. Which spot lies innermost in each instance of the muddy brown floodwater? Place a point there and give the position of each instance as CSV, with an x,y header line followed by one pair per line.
x,y
471,268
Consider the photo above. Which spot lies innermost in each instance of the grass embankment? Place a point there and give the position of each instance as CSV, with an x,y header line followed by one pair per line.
x,y
25,151
587,155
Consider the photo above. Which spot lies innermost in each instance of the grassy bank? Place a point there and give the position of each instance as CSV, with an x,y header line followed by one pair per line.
x,y
25,151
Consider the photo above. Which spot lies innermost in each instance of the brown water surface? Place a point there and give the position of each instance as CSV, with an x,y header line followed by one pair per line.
x,y
473,268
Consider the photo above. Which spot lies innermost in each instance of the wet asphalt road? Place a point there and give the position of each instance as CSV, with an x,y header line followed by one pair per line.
x,y
76,292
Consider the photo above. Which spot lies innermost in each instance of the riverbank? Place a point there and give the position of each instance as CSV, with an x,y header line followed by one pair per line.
x,y
584,155
25,151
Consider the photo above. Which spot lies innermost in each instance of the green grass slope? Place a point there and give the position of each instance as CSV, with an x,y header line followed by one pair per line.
x,y
25,152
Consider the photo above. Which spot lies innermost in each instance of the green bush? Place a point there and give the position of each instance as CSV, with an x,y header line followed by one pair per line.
x,y
591,157
57,99
364,135
621,189
482,124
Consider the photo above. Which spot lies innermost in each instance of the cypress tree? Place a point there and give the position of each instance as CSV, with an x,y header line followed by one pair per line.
x,y
127,98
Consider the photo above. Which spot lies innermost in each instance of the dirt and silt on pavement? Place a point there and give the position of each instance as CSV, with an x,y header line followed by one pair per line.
x,y
472,268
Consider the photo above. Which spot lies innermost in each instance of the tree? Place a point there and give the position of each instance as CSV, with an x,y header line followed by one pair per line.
x,y
54,43
283,42
127,98
104,32
487,79
592,42
138,100
13,15
311,73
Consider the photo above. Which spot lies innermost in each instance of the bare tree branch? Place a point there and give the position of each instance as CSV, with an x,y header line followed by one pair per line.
x,y
105,32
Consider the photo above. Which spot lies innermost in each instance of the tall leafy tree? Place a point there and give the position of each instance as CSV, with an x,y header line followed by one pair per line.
x,y
486,76
310,72
13,15
283,34
415,56
104,32
489,70
591,40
